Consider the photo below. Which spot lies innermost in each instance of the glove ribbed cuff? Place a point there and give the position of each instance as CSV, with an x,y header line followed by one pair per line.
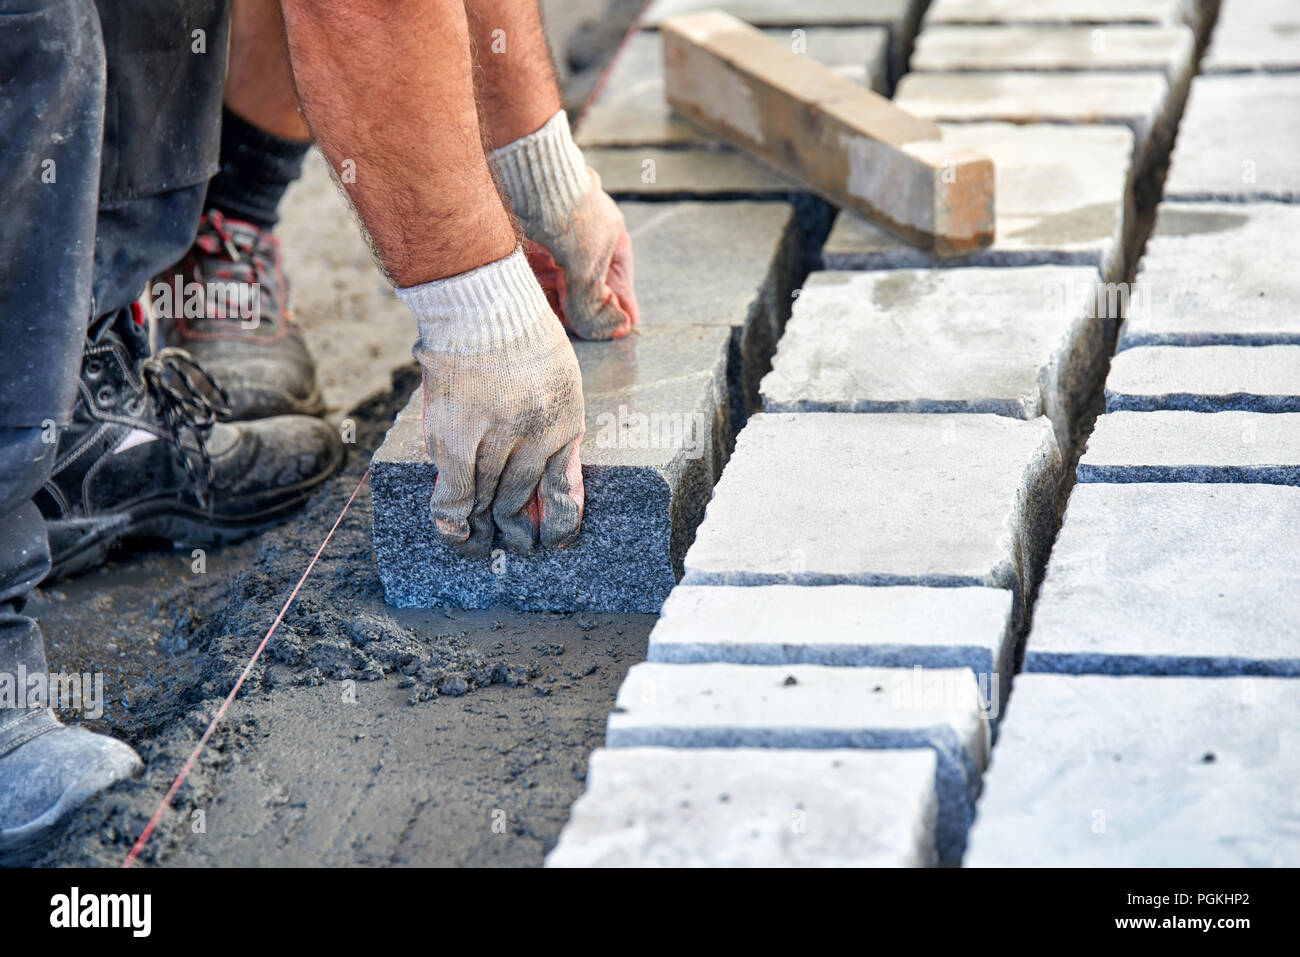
x,y
483,310
543,173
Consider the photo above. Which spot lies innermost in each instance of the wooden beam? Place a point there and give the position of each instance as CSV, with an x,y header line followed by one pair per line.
x,y
845,142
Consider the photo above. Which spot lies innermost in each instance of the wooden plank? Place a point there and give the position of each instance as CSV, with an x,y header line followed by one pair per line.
x,y
845,142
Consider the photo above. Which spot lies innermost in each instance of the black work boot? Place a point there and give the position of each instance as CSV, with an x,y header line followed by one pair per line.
x,y
145,456
227,304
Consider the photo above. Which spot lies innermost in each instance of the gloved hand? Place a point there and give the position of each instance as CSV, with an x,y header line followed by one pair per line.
x,y
503,410
578,243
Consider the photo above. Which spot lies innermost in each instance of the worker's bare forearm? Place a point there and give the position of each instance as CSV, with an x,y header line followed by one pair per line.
x,y
388,92
516,78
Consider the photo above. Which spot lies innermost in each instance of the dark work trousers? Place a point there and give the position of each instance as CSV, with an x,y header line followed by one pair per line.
x,y
110,117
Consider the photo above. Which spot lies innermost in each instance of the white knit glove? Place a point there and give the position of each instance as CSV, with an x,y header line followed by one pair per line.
x,y
503,411
578,242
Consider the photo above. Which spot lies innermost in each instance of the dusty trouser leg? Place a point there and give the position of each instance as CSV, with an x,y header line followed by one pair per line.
x,y
52,58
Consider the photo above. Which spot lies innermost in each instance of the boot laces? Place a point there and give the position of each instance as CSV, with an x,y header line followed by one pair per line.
x,y
188,401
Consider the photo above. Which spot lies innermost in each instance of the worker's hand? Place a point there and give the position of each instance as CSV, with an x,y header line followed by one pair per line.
x,y
503,410
577,240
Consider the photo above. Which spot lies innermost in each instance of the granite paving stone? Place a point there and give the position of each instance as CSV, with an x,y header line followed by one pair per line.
x,y
1204,282
1064,197
1205,379
1143,772
692,270
657,434
1236,142
1140,101
1057,12
752,807
813,707
1015,342
841,625
1171,578
1255,36
890,499
1194,447
1046,49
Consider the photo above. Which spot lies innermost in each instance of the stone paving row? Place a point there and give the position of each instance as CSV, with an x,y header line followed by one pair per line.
x,y
914,524
1154,724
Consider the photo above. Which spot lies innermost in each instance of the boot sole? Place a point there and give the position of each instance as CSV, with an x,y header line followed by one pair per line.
x,y
78,545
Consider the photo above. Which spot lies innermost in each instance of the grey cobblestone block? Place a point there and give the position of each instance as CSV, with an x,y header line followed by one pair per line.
x,y
1236,142
1140,101
899,499
632,111
692,270
1255,36
750,807
1194,447
1171,578
1143,772
944,49
1064,197
1203,281
1015,342
1205,379
808,706
652,172
891,627
657,434
1056,12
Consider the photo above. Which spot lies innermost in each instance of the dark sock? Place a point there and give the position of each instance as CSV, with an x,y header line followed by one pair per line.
x,y
256,168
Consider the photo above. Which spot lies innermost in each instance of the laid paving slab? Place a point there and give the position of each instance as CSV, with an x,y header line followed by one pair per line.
x,y
1056,12
1171,578
1205,379
808,706
1143,772
752,807
690,270
1140,101
632,111
655,172
895,499
657,434
1064,197
841,625
1194,447
956,49
1233,144
1015,342
902,17
1255,36
1204,281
